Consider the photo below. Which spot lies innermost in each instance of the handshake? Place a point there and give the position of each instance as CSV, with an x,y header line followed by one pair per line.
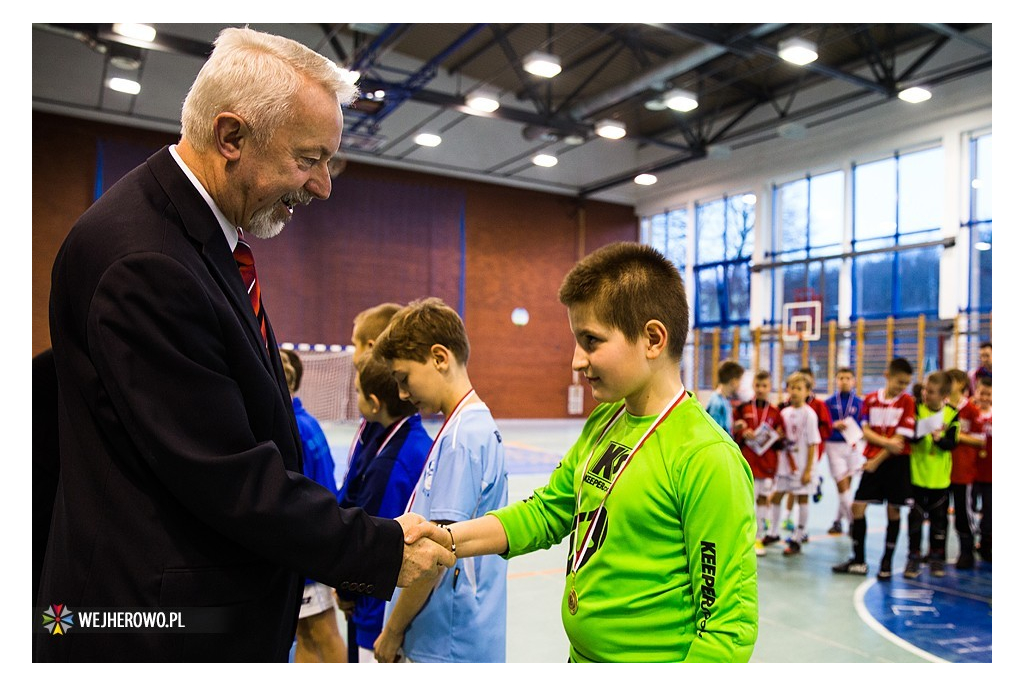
x,y
429,549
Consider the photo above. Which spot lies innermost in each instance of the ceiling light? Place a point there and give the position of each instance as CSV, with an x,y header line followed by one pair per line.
x,y
982,246
427,140
792,130
136,31
609,128
798,51
915,95
645,179
681,100
123,85
545,160
574,139
542,64
483,100
749,199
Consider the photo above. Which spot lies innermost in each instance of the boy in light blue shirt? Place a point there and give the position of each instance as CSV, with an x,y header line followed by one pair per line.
x,y
461,616
720,407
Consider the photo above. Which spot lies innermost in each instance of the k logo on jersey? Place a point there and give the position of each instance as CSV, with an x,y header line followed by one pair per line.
x,y
604,469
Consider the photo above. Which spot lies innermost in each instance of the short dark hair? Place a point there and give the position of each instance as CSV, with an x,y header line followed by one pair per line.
x,y
985,380
959,376
844,369
942,380
296,362
762,374
375,379
629,284
419,326
729,371
985,344
900,365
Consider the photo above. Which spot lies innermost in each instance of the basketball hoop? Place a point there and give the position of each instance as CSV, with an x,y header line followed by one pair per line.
x,y
801,321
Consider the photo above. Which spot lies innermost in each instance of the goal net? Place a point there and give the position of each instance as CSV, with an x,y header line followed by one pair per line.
x,y
328,389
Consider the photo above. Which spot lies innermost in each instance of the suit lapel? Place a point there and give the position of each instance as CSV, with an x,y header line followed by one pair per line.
x,y
202,226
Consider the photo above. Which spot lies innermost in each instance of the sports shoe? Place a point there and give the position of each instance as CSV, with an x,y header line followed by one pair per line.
x,y
885,569
836,529
759,549
913,569
770,539
817,493
789,525
804,539
792,547
965,562
854,568
937,567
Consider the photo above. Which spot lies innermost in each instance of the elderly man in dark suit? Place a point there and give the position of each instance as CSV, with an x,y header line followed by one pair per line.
x,y
181,479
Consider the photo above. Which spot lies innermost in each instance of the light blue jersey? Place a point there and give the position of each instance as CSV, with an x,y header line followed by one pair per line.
x,y
465,477
720,410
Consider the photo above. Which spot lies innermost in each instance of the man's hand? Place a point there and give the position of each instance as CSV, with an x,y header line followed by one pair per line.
x,y
423,558
871,464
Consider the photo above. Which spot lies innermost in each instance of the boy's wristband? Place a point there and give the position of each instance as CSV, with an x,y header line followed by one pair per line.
x,y
450,533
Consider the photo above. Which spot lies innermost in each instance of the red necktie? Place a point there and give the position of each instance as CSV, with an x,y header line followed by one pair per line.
x,y
247,268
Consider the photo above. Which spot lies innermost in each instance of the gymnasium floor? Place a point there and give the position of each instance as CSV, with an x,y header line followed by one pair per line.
x,y
807,614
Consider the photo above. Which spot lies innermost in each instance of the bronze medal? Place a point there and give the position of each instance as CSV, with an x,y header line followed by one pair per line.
x,y
574,603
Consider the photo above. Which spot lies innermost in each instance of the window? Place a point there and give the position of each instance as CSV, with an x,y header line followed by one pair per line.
x,y
980,226
667,233
808,232
897,202
725,241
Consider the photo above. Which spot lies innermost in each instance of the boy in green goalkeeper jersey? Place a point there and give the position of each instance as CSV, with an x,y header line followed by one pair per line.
x,y
656,499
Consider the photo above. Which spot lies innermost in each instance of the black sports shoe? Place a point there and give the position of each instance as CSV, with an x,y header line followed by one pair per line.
x,y
913,569
836,529
769,539
885,569
792,547
854,568
965,562
937,567
817,493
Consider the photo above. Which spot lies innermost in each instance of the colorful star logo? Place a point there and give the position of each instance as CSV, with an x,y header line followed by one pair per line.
x,y
58,619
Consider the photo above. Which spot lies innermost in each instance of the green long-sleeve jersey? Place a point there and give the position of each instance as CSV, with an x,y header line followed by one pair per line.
x,y
670,573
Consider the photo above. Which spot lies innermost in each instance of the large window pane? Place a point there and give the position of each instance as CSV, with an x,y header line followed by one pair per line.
x,y
738,283
874,206
826,210
982,181
709,313
920,191
675,236
792,216
873,283
711,232
919,280
739,228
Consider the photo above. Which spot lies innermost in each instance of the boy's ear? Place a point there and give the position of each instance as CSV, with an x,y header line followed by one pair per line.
x,y
440,355
656,337
374,402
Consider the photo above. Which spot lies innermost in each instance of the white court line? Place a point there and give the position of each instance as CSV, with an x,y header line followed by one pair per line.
x,y
865,615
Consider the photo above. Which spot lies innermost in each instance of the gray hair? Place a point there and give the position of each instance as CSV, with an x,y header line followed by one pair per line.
x,y
255,75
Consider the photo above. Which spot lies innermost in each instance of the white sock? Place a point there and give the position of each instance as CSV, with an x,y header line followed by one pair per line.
x,y
776,518
803,513
846,504
761,512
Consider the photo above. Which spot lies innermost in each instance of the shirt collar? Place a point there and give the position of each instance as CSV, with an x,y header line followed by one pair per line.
x,y
230,232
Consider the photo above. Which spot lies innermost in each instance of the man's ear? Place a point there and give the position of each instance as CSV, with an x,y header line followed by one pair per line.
x,y
441,356
230,134
656,338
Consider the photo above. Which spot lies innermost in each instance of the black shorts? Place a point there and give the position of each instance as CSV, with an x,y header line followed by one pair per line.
x,y
889,483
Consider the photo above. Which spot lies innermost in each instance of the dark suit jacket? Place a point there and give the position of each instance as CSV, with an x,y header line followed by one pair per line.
x,y
181,475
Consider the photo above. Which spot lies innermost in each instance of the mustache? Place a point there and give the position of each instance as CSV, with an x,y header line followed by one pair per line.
x,y
299,197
